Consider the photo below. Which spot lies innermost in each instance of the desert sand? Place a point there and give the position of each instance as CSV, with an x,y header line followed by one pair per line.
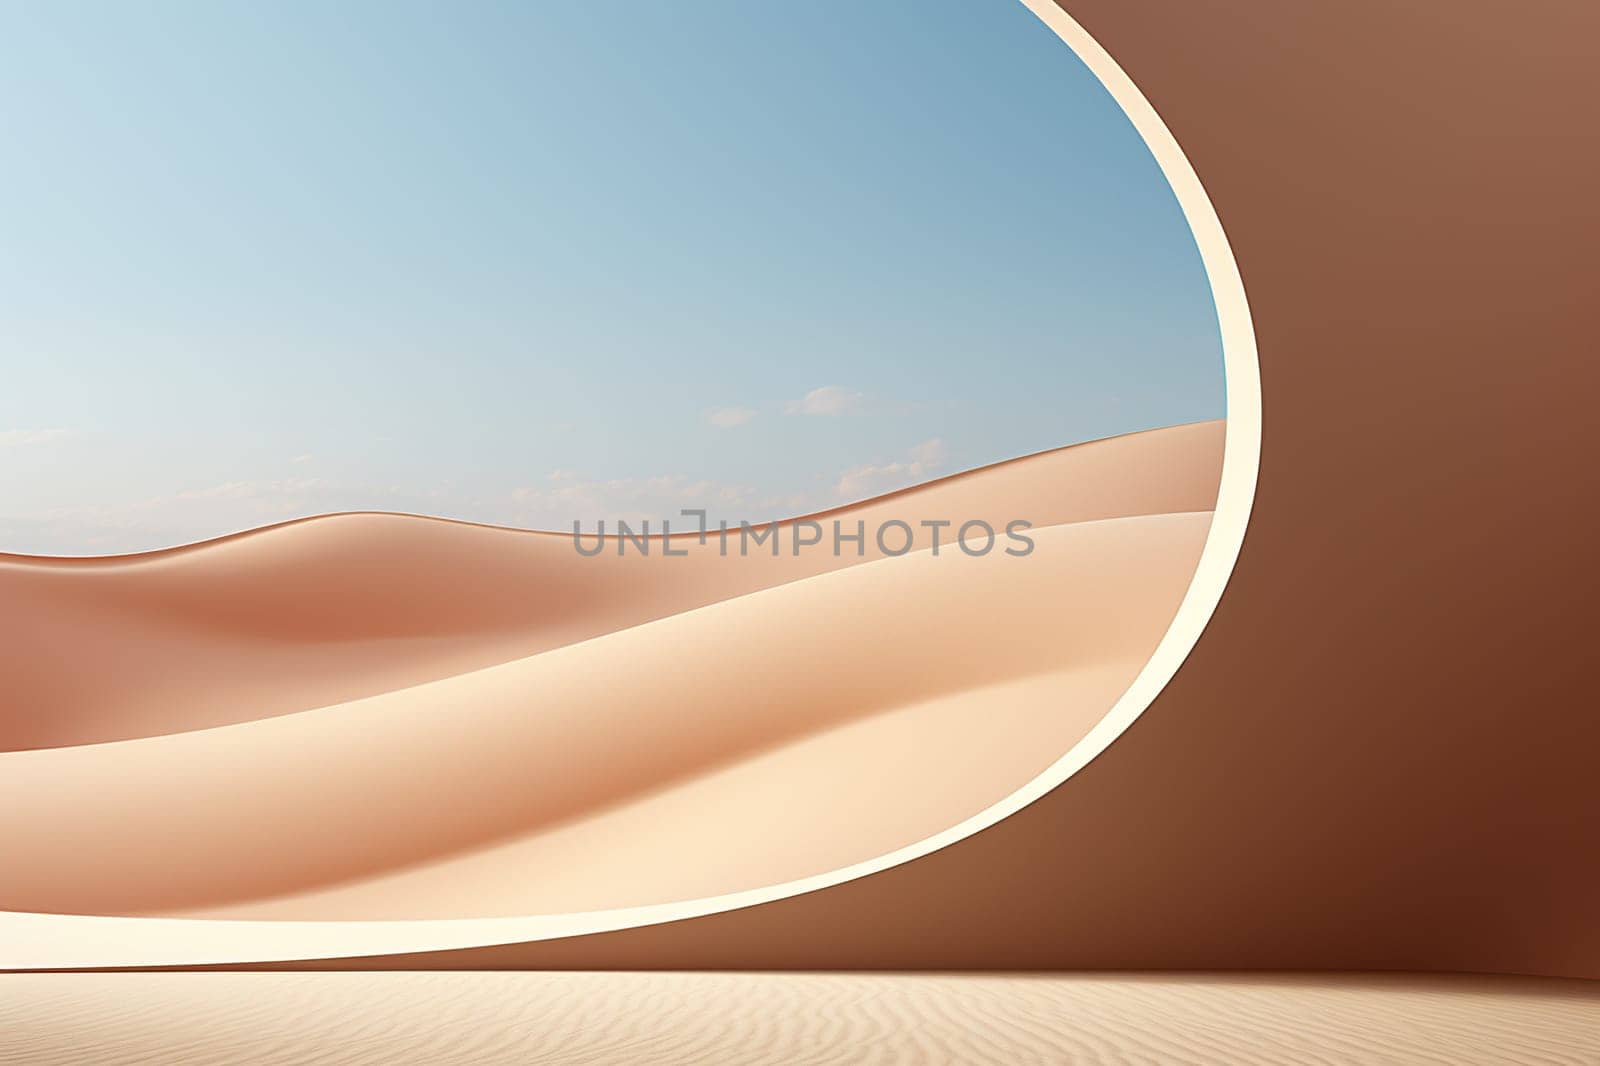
x,y
743,1019
396,717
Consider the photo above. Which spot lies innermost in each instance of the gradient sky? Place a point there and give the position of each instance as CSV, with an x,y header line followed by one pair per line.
x,y
526,262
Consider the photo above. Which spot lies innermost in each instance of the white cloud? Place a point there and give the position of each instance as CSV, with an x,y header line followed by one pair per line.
x,y
929,455
828,401
280,494
728,417
566,497
920,463
24,438
298,460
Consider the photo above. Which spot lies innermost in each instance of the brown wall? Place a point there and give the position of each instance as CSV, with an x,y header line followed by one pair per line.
x,y
1385,750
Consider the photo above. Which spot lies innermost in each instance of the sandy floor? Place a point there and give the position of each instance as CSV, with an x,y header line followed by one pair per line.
x,y
340,1018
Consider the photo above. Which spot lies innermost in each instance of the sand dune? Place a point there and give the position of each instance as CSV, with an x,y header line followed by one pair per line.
x,y
795,1019
293,802
332,609
645,729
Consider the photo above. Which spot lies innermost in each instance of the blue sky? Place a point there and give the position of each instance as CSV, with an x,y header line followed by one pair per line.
x,y
525,263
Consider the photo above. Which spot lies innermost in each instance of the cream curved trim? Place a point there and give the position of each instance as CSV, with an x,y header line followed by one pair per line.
x,y
53,941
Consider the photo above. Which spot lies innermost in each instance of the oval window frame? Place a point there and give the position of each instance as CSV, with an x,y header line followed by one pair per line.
x,y
61,941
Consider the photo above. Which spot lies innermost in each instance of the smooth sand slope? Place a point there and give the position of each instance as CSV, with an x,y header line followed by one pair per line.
x,y
601,733
735,1019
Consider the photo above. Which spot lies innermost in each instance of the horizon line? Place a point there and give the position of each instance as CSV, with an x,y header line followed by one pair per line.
x,y
26,558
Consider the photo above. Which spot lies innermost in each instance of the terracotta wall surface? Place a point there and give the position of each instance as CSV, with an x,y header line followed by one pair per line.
x,y
1385,750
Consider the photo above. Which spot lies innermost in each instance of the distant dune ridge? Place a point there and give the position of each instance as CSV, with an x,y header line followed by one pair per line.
x,y
394,717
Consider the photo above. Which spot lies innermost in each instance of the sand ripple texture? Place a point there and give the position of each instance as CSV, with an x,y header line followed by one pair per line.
x,y
344,1019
